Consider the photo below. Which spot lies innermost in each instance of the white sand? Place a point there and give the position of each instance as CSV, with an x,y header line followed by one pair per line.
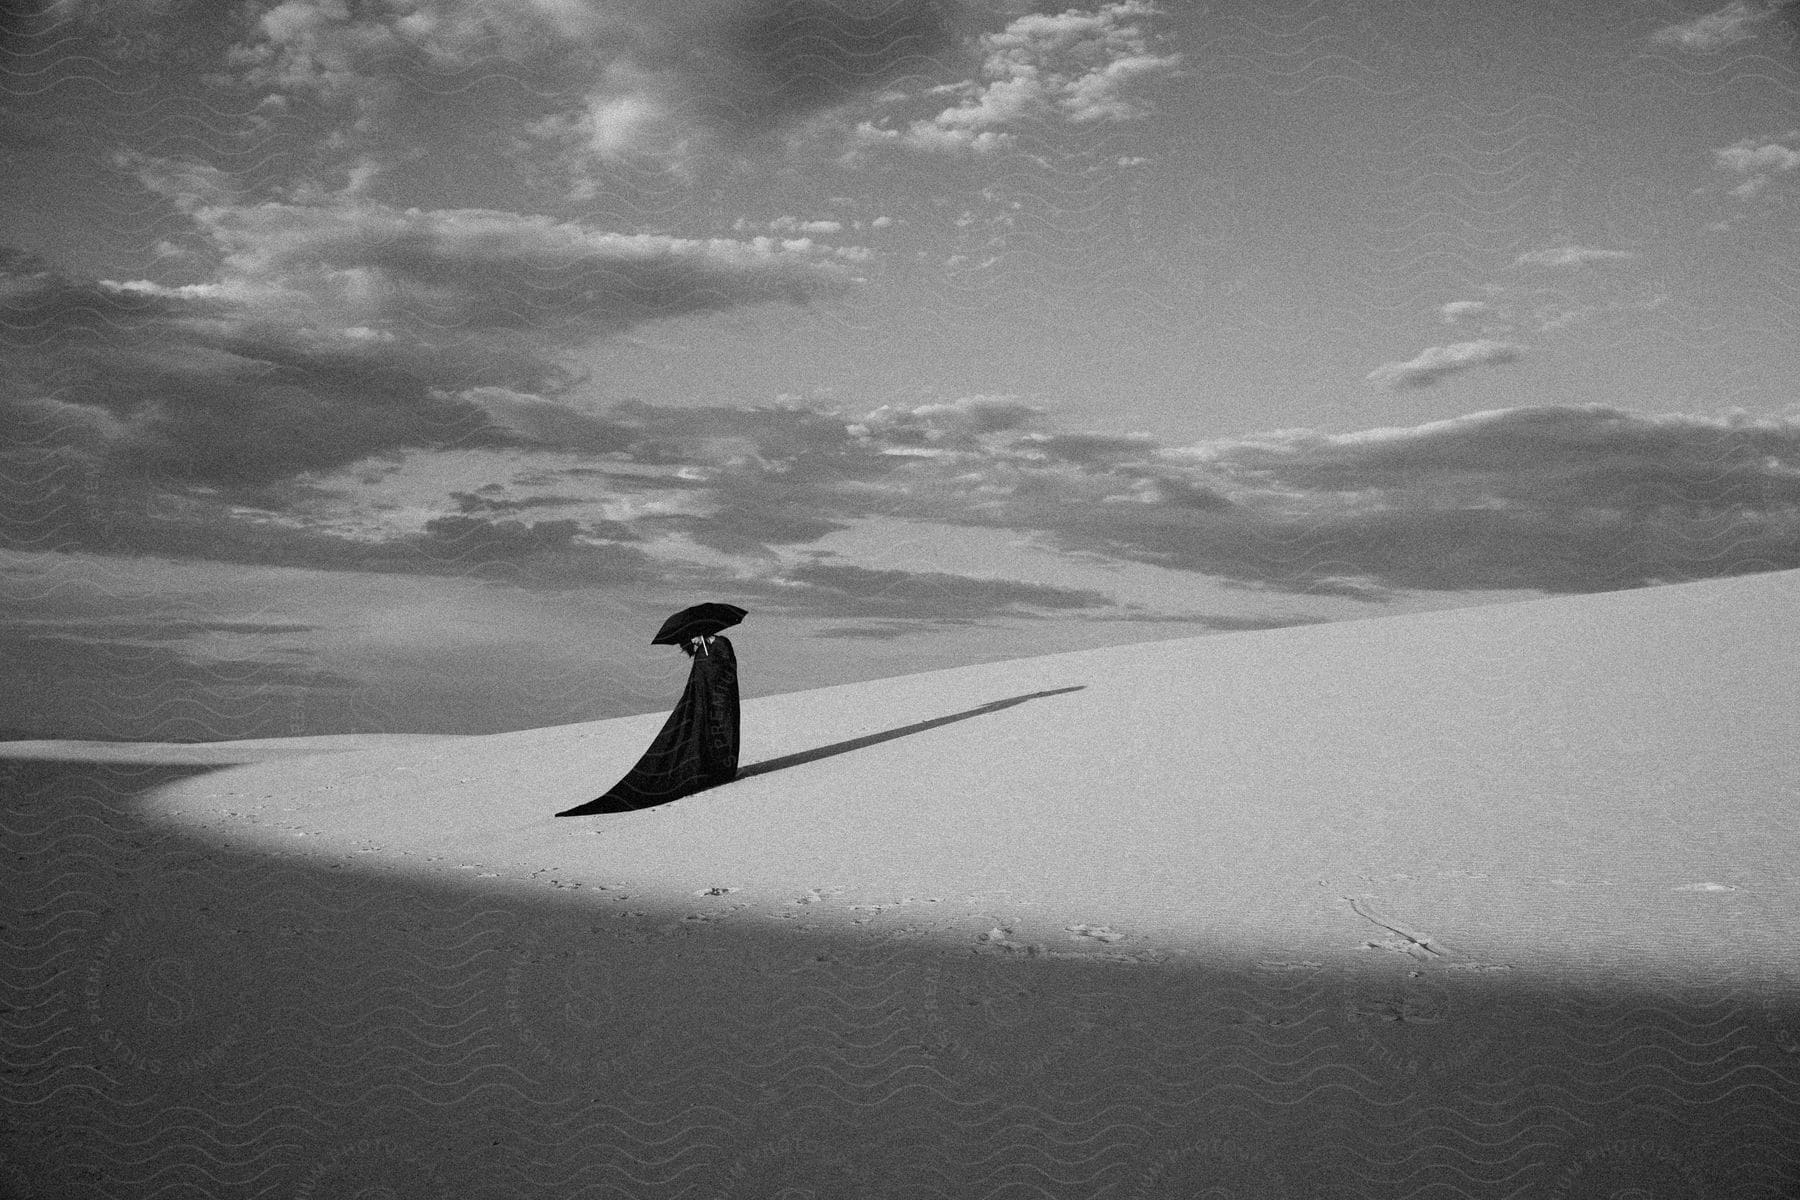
x,y
1586,783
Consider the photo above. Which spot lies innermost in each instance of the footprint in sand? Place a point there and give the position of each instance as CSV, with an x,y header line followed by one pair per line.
x,y
1422,946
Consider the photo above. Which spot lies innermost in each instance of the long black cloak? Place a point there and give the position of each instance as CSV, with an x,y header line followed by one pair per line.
x,y
698,745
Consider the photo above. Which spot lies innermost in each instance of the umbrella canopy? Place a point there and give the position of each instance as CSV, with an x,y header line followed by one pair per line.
x,y
698,621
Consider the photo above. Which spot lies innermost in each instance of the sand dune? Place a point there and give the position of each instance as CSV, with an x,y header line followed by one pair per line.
x,y
1492,901
1569,783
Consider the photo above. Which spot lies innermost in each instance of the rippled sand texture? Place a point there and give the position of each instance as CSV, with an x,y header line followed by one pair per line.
x,y
1304,963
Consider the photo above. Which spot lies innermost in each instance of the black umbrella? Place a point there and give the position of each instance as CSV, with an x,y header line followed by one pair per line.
x,y
702,620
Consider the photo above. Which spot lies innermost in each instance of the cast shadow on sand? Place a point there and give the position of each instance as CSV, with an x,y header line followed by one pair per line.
x,y
186,1017
614,804
887,735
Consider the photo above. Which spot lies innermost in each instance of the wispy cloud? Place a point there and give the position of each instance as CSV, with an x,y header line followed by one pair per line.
x,y
1077,66
1737,22
361,265
1534,302
1570,256
1435,364
1757,161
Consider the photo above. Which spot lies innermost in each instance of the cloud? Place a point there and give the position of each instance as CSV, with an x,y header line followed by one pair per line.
x,y
945,425
67,512
1231,624
1561,499
598,84
1536,302
537,553
793,225
1736,22
1569,256
1437,363
764,64
538,420
35,296
361,265
1546,498
1747,155
1076,67
331,332
1553,499
1758,161
332,51
132,386
486,499
1091,449
849,591
479,539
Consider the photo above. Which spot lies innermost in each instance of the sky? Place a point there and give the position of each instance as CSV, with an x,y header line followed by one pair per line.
x,y
398,366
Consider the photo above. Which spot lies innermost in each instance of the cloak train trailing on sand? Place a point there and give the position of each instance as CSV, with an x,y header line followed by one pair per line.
x,y
698,745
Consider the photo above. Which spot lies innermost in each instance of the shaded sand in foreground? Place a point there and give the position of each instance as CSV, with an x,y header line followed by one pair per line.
x,y
1494,902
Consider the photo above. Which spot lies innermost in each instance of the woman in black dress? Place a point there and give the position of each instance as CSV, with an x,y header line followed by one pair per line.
x,y
698,745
